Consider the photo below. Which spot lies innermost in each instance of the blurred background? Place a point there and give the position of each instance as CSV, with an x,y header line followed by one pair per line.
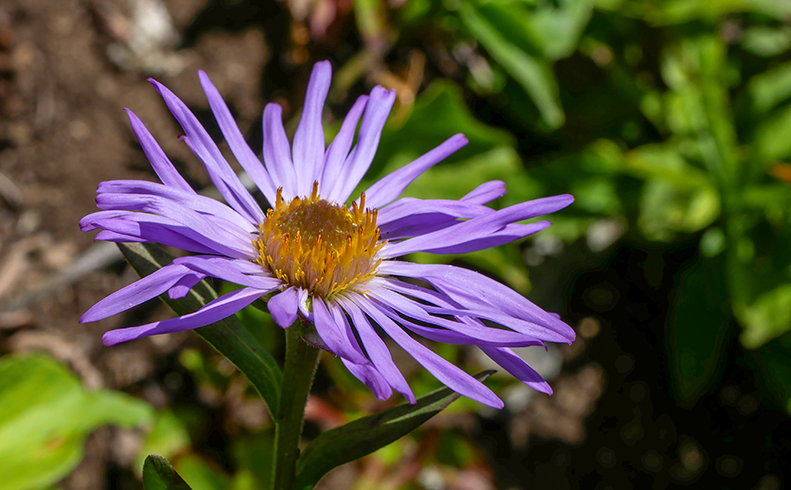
x,y
669,121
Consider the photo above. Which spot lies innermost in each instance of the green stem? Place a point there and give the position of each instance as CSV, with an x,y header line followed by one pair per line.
x,y
302,359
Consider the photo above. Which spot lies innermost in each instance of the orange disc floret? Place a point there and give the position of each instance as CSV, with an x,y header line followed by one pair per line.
x,y
320,246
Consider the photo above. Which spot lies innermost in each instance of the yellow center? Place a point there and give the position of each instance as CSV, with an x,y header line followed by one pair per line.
x,y
322,247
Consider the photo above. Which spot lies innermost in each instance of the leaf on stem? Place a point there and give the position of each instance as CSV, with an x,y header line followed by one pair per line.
x,y
365,435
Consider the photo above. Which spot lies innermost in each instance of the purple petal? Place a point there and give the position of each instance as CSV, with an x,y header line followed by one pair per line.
x,y
475,332
308,147
356,165
184,285
478,228
507,235
476,291
231,270
137,293
164,169
334,335
277,152
486,192
450,375
111,236
139,191
339,150
391,186
377,350
370,377
205,229
212,312
283,307
515,365
206,150
142,227
239,147
409,206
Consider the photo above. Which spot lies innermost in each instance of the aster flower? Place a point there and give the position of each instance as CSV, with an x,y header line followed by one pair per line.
x,y
315,258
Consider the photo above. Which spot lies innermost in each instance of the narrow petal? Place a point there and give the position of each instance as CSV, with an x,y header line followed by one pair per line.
x,y
410,206
376,111
162,166
333,334
450,375
478,228
377,350
231,270
158,229
388,188
486,192
239,147
137,293
140,191
284,306
339,150
277,152
184,285
476,291
370,378
476,332
308,147
515,365
212,312
223,234
209,154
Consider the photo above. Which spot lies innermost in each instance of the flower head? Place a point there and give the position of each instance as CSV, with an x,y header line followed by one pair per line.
x,y
315,258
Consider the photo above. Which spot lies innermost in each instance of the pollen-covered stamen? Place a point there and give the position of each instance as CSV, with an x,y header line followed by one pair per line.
x,y
321,246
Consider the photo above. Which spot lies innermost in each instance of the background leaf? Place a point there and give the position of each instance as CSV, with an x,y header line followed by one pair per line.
x,y
45,416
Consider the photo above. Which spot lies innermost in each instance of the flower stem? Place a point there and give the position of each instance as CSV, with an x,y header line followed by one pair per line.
x,y
302,359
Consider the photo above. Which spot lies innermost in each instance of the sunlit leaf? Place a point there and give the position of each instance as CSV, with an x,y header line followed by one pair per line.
x,y
45,416
768,317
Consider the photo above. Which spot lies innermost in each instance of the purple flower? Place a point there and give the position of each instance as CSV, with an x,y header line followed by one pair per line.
x,y
316,258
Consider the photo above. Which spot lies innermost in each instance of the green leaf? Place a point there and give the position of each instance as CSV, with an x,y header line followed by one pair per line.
x,y
228,336
699,329
773,136
766,41
365,435
158,474
768,317
770,88
528,67
45,416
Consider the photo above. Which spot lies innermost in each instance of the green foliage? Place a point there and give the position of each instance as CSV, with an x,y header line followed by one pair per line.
x,y
365,435
158,474
45,416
